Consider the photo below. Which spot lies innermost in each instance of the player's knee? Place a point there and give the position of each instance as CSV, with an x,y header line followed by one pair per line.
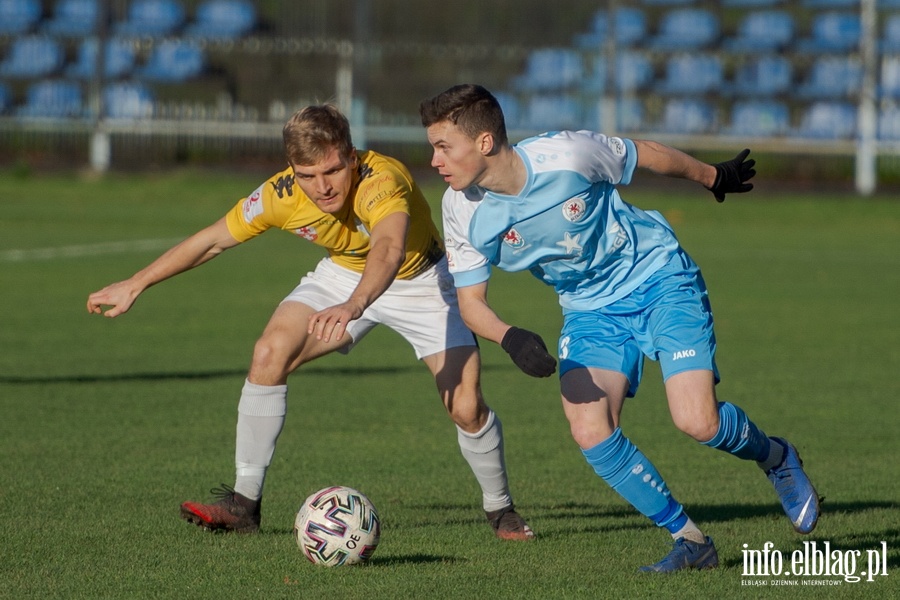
x,y
468,413
588,435
270,355
701,429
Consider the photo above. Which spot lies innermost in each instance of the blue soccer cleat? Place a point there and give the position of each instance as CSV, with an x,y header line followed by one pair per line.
x,y
796,492
686,555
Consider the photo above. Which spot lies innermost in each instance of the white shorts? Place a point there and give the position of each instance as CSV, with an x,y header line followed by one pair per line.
x,y
424,309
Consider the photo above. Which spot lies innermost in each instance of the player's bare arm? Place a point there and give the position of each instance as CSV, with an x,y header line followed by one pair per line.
x,y
201,247
386,253
478,314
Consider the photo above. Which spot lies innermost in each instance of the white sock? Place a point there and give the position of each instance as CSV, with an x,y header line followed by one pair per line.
x,y
484,453
776,455
261,414
690,532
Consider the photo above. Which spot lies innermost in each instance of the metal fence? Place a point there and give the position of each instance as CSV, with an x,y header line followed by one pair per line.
x,y
808,77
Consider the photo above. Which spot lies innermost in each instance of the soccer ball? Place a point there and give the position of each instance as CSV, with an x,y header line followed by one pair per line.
x,y
337,526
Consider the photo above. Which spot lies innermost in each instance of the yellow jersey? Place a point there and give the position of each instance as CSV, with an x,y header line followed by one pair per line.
x,y
381,186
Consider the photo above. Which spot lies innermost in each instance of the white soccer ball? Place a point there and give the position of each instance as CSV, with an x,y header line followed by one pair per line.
x,y
337,526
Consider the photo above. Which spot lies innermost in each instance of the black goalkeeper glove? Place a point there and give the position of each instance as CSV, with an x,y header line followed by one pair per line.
x,y
732,176
529,352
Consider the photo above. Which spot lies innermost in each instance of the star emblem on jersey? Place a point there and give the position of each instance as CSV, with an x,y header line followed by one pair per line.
x,y
513,239
573,209
570,243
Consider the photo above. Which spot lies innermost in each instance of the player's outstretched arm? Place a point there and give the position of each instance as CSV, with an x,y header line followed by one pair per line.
x,y
729,177
526,348
194,251
386,253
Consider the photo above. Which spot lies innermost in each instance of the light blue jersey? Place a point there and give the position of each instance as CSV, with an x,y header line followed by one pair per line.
x,y
568,225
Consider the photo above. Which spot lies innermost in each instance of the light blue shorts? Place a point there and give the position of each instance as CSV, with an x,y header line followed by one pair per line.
x,y
667,318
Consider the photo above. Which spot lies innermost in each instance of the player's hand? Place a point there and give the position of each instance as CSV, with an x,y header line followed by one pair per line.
x,y
529,352
120,296
332,321
732,176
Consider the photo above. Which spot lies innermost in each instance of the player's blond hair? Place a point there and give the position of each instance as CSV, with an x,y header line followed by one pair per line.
x,y
314,131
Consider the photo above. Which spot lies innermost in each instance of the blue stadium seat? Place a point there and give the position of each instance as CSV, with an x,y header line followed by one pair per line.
x,y
52,98
19,16
546,112
668,2
890,42
832,78
834,32
889,124
691,74
629,116
31,57
73,18
759,118
155,18
6,98
767,30
173,61
128,100
767,75
828,120
685,29
688,116
889,82
820,4
119,59
634,72
549,69
751,3
630,28
223,19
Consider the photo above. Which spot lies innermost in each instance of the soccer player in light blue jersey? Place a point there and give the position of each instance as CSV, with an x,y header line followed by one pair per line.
x,y
550,205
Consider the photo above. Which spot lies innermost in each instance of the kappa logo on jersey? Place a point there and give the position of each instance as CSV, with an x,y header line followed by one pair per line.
x,y
364,170
512,239
573,209
284,184
253,206
308,233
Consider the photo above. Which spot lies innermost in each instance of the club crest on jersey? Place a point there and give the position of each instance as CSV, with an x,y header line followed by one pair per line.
x,y
308,233
253,206
573,209
512,239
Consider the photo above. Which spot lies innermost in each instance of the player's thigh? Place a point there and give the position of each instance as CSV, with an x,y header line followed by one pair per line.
x,y
692,403
592,401
456,373
286,340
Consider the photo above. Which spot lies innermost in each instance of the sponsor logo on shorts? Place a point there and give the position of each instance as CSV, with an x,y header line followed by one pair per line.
x,y
684,354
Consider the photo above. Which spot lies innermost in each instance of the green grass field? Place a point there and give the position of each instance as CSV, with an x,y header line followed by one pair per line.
x,y
108,425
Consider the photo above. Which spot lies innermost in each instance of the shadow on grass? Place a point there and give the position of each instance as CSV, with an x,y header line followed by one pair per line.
x,y
214,374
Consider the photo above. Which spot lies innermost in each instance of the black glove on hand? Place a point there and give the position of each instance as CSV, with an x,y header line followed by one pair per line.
x,y
529,352
732,176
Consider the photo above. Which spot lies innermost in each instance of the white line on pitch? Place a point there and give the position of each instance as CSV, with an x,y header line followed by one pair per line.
x,y
36,254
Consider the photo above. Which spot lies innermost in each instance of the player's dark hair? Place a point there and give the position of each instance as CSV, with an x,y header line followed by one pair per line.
x,y
314,131
468,106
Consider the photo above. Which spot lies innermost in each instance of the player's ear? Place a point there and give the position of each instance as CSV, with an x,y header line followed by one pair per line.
x,y
486,144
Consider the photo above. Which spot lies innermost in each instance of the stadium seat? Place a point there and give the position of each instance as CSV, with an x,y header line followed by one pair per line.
x,y
223,19
31,57
889,82
688,116
832,78
629,116
820,4
118,60
549,69
19,16
6,98
762,31
668,2
634,72
154,18
127,100
173,61
691,74
768,75
828,120
890,42
546,112
685,29
630,28
53,99
759,118
73,18
751,3
889,124
833,32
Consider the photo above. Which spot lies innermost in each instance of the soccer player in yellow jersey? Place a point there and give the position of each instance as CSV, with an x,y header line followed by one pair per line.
x,y
385,264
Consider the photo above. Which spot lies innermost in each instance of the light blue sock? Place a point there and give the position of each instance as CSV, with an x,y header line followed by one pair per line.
x,y
738,435
633,476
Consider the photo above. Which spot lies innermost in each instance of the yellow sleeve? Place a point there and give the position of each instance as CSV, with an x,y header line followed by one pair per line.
x,y
260,210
